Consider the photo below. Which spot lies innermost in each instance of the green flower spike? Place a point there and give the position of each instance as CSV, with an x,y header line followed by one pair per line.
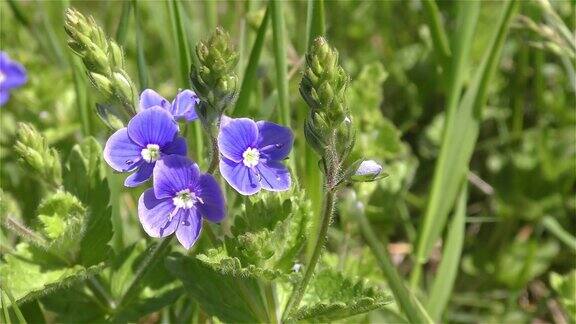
x,y
102,58
214,78
328,127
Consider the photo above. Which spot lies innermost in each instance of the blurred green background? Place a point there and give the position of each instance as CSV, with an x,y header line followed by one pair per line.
x,y
519,247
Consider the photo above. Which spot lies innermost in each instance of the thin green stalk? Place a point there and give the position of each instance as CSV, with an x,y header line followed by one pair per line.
x,y
249,80
5,311
114,184
211,14
141,57
315,25
448,269
312,179
15,307
50,33
184,65
439,38
279,33
122,29
100,293
270,297
406,300
551,225
320,239
143,268
438,208
81,95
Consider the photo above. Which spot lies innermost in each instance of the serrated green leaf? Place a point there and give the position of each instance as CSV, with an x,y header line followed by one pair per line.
x,y
228,292
74,305
331,296
270,231
30,272
85,178
61,215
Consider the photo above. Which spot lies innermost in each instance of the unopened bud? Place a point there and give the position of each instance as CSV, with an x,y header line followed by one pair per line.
x,y
367,171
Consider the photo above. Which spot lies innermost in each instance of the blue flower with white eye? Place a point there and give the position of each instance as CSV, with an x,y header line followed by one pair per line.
x,y
150,135
252,153
183,107
180,199
12,75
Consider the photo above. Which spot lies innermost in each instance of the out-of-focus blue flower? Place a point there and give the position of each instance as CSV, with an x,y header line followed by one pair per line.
x,y
182,108
12,75
150,135
252,154
180,198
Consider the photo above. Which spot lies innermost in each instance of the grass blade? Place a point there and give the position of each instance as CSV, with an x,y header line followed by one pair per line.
x,y
312,181
122,29
141,58
15,307
552,225
249,80
458,143
279,32
439,38
315,25
184,68
405,299
448,269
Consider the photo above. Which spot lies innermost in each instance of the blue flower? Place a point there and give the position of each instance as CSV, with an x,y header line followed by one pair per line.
x,y
182,108
12,75
150,135
181,196
252,154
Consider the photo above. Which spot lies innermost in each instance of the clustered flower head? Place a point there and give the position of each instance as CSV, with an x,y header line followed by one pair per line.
x,y
12,75
250,154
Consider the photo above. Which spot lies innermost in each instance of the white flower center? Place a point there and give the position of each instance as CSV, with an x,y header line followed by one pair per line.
x,y
151,153
185,199
251,157
2,77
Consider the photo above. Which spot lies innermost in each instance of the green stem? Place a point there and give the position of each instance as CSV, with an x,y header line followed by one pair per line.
x,y
100,293
270,301
315,25
279,38
298,292
143,268
122,29
412,308
437,208
5,309
552,226
15,307
439,37
141,58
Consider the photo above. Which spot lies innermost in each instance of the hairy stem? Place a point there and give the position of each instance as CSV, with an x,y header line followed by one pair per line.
x,y
298,292
143,268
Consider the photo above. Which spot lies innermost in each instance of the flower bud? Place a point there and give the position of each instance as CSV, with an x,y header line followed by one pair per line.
x,y
367,171
34,151
102,58
323,87
214,78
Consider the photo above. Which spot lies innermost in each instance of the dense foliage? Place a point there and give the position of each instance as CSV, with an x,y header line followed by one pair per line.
x,y
353,161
